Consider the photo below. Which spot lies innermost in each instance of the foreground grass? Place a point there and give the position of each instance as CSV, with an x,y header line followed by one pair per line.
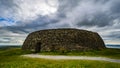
x,y
11,58
20,62
111,53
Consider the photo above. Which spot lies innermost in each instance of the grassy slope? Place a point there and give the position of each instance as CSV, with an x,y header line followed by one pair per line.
x,y
10,58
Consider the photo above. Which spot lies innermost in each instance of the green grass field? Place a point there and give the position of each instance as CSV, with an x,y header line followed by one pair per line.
x,y
10,58
111,53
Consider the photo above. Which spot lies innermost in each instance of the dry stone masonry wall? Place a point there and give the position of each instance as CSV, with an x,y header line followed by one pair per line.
x,y
64,39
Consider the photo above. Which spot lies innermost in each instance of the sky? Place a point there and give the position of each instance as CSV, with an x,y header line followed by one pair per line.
x,y
18,18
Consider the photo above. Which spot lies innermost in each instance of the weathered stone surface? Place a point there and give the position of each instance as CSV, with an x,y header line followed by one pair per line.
x,y
63,40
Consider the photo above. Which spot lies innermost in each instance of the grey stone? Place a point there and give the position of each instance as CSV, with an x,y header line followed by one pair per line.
x,y
63,40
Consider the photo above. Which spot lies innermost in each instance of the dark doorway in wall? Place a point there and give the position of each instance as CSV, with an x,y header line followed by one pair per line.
x,y
37,47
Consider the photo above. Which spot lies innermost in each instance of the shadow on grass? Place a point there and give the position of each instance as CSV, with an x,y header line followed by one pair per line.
x,y
111,53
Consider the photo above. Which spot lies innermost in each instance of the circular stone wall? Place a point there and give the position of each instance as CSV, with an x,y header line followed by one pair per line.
x,y
63,39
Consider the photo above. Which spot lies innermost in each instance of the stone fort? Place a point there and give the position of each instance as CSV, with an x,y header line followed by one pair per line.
x,y
63,40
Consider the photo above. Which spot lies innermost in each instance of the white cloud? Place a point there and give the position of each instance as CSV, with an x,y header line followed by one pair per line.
x,y
8,37
27,10
31,9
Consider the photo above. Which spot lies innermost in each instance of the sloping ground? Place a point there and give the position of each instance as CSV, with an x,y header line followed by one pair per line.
x,y
71,57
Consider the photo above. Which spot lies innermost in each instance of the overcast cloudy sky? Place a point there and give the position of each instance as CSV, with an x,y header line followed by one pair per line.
x,y
18,18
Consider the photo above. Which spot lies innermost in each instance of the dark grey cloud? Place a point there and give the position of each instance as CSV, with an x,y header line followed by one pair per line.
x,y
91,12
114,35
67,5
6,7
115,7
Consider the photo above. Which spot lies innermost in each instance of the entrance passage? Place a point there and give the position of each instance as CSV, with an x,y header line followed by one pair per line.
x,y
37,47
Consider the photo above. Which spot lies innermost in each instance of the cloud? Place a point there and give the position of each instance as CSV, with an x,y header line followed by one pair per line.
x,y
90,13
27,10
10,37
11,40
30,10
102,16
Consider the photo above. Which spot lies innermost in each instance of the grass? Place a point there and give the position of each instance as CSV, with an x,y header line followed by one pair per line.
x,y
20,62
109,52
10,58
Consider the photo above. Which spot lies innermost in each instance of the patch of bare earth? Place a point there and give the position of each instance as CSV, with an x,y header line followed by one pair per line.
x,y
61,57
